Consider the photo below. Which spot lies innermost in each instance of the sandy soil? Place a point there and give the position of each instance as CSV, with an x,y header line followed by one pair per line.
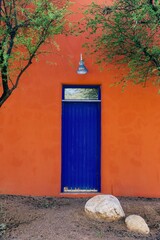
x,y
37,218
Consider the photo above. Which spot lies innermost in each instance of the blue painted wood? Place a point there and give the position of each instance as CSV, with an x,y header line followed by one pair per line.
x,y
81,145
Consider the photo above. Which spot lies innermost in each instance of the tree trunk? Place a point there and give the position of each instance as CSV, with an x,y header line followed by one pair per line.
x,y
6,90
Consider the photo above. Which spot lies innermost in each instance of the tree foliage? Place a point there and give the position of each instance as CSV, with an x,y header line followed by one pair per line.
x,y
127,33
24,26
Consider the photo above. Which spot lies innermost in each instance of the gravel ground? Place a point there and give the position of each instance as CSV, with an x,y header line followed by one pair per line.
x,y
43,218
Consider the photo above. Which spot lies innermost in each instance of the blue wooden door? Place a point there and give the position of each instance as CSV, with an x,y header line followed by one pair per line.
x,y
81,145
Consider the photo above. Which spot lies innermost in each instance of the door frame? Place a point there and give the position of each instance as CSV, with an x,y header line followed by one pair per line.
x,y
64,100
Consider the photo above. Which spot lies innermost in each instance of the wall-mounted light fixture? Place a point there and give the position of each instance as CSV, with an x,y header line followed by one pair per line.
x,y
81,69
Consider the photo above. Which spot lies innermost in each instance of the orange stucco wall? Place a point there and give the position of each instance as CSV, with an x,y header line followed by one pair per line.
x,y
30,129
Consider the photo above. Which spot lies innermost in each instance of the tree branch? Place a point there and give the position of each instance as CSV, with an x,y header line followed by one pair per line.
x,y
6,94
25,25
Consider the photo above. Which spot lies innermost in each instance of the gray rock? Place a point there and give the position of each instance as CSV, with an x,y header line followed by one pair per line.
x,y
104,207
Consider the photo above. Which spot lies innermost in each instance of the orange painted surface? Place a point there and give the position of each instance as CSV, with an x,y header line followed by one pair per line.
x,y
30,129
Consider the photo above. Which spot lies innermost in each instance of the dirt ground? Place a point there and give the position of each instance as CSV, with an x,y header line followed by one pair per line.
x,y
40,218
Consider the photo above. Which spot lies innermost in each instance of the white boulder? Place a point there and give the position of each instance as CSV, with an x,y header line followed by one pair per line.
x,y
104,207
136,223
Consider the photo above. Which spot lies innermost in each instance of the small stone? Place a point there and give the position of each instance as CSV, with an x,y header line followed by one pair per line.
x,y
137,224
104,207
3,226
